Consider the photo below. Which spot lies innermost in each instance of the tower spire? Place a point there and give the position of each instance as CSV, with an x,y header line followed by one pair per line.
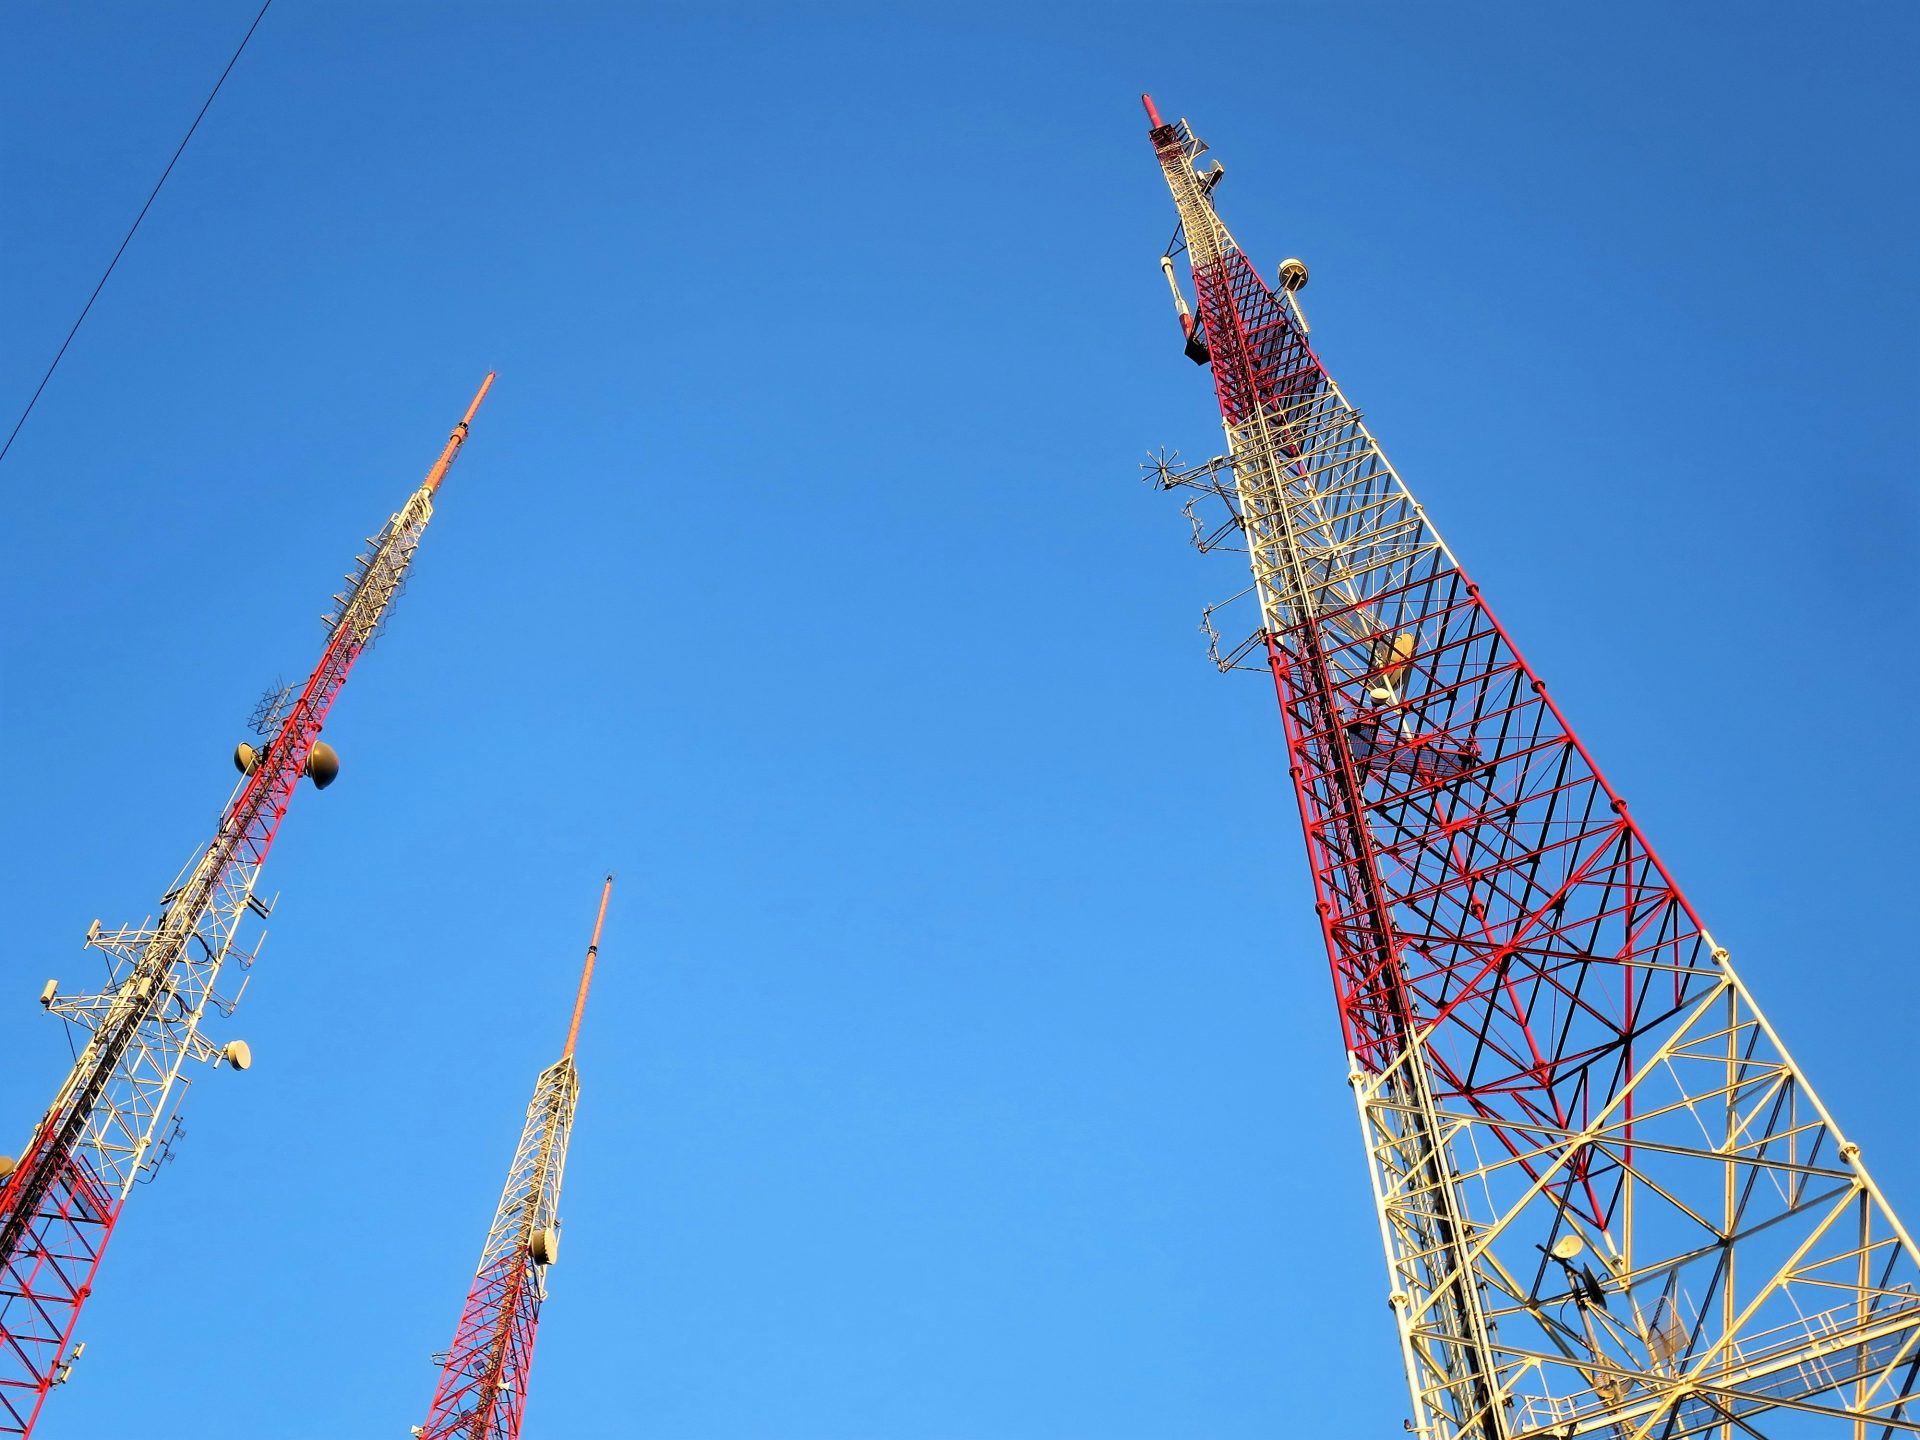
x,y
1612,1204
586,971
113,1119
454,441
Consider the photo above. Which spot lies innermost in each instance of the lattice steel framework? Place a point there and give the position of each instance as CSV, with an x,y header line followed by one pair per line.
x,y
482,1390
1611,1203
113,1120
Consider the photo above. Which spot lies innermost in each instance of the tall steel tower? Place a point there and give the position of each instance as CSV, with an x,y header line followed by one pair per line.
x,y
113,1119
482,1391
1611,1203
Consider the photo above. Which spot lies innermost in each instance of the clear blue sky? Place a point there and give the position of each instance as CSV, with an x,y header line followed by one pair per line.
x,y
963,1065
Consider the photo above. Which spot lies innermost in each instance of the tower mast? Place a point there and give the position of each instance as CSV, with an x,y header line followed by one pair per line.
x,y
482,1390
1610,1201
114,1117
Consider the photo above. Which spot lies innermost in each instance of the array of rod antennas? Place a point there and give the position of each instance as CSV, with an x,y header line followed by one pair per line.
x,y
323,762
236,1053
355,578
271,709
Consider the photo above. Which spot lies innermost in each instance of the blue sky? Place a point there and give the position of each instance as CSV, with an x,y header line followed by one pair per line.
x,y
962,1064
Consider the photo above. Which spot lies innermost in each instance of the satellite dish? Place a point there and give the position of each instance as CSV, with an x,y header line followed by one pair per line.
x,y
323,764
1567,1246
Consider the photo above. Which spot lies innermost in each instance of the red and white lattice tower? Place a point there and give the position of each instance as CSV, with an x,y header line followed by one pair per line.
x,y
482,1391
113,1119
1611,1203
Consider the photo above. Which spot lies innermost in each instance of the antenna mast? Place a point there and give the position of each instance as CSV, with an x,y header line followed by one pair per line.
x,y
482,1390
1611,1203
115,1116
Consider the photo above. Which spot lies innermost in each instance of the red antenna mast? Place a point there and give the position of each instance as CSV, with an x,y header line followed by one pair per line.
x,y
1611,1203
482,1391
115,1116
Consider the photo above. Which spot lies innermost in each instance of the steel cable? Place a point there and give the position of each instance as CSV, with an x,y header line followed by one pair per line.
x,y
179,150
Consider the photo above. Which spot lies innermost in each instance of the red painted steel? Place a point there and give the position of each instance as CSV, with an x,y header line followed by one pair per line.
x,y
1477,875
481,1393
55,1218
1550,1056
56,1214
482,1390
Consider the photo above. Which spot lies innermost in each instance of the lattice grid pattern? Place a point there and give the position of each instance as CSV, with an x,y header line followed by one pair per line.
x,y
1610,1202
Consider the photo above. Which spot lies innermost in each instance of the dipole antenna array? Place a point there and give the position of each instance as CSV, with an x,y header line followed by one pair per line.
x,y
114,1118
482,1389
1610,1201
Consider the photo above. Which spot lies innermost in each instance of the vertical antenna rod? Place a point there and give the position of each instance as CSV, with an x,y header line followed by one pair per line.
x,y
1611,1203
482,1390
115,1116
586,971
454,441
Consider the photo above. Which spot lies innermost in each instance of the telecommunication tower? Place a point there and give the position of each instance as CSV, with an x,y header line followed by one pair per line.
x,y
115,1116
1610,1201
482,1390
